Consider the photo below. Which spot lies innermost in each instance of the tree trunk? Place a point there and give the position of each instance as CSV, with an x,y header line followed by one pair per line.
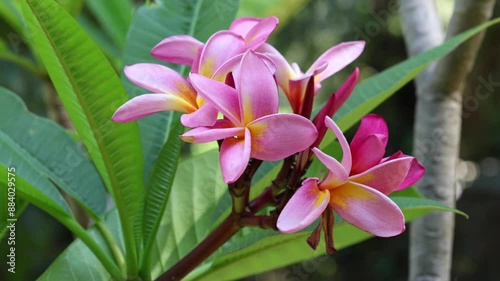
x,y
438,126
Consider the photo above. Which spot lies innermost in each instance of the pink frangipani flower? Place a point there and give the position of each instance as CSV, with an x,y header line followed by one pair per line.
x,y
245,33
252,127
171,92
357,187
293,81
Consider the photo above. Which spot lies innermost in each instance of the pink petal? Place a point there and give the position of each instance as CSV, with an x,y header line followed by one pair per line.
x,y
207,134
367,209
260,32
337,174
334,103
368,154
180,49
385,177
243,25
277,136
371,124
305,206
206,115
414,174
160,79
234,157
219,48
257,89
296,94
344,92
346,157
284,72
219,95
232,66
337,57
148,104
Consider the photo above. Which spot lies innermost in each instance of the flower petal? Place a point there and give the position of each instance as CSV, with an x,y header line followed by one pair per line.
x,y
337,174
346,151
219,48
297,91
243,25
284,72
234,157
219,95
179,49
337,57
305,206
385,177
371,124
148,104
206,115
277,136
259,33
257,89
334,103
414,174
368,154
367,209
160,79
207,134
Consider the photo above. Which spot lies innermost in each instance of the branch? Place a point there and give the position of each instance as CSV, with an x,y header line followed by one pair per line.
x,y
437,128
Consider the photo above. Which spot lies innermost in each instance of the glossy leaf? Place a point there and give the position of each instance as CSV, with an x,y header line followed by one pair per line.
x,y
57,158
114,17
78,263
160,183
91,92
191,210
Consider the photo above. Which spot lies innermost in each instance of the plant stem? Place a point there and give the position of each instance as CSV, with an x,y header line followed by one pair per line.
x,y
202,251
113,246
86,238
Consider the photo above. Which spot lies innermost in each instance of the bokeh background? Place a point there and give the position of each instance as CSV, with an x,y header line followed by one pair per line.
x,y
307,29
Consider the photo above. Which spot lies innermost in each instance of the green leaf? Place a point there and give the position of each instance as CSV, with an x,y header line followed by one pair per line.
x,y
114,17
20,206
151,24
191,210
91,92
57,158
158,189
25,190
78,262
10,12
254,250
73,7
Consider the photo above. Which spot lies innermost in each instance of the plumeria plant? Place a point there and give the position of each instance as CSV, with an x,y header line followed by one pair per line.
x,y
274,180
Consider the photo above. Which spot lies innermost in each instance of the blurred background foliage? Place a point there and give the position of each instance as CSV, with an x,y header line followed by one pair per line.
x,y
307,28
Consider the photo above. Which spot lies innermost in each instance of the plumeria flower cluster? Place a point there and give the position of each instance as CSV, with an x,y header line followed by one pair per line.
x,y
232,96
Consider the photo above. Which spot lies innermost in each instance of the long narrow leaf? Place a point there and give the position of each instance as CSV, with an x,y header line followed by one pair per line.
x,y
91,92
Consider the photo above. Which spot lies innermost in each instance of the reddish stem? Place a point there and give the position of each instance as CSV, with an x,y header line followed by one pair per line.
x,y
202,251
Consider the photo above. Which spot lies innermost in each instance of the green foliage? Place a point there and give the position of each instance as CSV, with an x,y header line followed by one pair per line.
x,y
57,160
114,16
91,92
158,218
